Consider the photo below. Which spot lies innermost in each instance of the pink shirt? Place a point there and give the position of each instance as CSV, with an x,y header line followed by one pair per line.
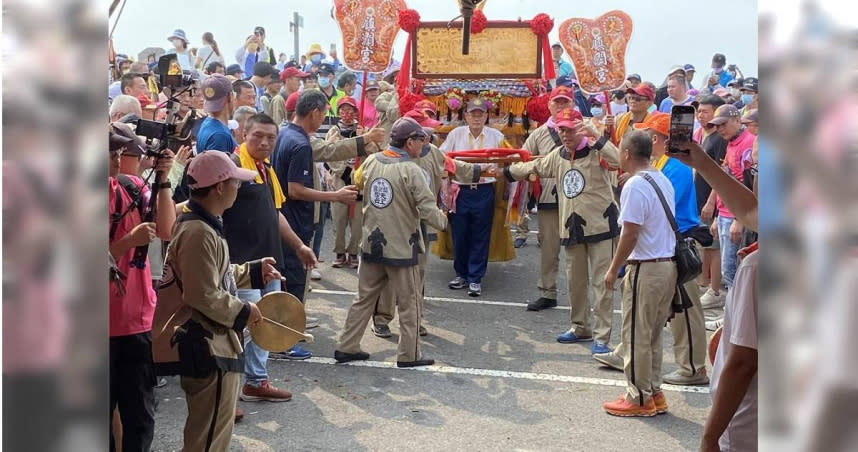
x,y
131,312
736,149
370,115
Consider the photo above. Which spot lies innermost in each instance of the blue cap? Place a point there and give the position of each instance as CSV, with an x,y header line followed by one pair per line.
x,y
689,67
634,76
326,68
233,69
566,80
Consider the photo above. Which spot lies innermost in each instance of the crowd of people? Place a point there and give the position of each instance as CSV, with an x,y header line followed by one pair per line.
x,y
274,147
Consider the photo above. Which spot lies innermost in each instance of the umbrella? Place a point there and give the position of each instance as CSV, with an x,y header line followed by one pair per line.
x,y
143,55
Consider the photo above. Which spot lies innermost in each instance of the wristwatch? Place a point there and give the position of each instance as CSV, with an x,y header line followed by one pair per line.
x,y
164,185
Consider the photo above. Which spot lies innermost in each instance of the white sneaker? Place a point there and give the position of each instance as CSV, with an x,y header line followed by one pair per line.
x,y
312,322
711,300
315,275
712,325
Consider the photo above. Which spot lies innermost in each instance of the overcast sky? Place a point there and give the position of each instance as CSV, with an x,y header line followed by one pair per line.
x,y
666,32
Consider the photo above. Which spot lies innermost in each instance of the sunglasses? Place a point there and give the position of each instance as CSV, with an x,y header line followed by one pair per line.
x,y
636,98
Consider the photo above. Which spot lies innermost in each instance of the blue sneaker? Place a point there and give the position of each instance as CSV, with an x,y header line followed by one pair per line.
x,y
519,242
297,353
569,337
599,347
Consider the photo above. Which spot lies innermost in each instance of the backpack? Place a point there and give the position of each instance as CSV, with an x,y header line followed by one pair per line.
x,y
134,192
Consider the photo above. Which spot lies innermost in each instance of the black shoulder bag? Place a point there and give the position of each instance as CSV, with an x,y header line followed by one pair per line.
x,y
689,265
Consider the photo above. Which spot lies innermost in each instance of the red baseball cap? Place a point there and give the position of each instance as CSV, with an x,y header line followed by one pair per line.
x,y
642,90
567,118
422,118
564,92
292,101
659,122
425,104
292,71
347,101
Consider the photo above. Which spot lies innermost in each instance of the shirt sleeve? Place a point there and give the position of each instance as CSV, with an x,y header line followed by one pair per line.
x,y
744,303
634,201
447,145
301,166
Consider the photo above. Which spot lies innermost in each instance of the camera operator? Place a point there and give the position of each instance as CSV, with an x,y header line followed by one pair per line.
x,y
132,300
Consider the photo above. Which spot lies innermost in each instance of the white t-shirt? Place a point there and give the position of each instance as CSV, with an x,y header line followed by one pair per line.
x,y
204,53
641,206
740,328
460,139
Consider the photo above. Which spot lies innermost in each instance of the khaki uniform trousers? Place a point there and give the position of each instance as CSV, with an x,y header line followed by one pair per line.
x,y
689,334
549,239
689,350
586,264
372,280
211,410
522,228
342,223
647,294
386,303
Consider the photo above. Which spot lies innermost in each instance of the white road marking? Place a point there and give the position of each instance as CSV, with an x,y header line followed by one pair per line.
x,y
503,374
450,300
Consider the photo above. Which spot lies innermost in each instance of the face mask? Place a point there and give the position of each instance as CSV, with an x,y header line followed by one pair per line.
x,y
747,99
347,117
126,70
316,58
324,82
718,70
596,111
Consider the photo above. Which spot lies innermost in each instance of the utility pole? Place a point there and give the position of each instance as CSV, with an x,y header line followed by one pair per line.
x,y
297,22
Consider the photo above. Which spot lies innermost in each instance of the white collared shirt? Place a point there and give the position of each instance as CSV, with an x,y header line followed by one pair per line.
x,y
460,139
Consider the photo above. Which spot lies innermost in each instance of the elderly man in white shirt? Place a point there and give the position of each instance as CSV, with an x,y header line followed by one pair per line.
x,y
472,223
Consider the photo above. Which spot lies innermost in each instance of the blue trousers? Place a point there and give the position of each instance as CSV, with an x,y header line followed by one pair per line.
x,y
255,357
472,228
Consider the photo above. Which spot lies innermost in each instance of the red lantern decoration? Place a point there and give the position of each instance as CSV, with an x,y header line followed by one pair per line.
x,y
541,25
409,20
478,22
537,108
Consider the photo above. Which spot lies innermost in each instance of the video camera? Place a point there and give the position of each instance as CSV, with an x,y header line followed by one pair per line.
x,y
171,74
175,131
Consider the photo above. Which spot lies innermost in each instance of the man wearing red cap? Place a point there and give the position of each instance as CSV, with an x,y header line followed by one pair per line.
x,y
639,100
291,78
587,220
543,141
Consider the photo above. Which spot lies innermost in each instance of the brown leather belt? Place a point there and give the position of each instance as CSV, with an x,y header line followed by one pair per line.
x,y
661,259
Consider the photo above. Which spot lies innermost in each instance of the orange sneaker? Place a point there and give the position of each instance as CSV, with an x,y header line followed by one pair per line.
x,y
264,391
624,408
660,402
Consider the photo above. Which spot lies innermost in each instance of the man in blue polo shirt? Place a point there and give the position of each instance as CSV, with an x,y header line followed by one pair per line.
x,y
214,134
292,161
689,331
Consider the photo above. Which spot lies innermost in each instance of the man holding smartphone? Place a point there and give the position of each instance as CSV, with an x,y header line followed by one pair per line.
x,y
254,51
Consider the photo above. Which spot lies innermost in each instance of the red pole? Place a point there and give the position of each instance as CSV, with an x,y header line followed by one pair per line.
x,y
608,109
361,123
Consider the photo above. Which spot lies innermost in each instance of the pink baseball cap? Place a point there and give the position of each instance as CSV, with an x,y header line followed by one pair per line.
x,y
211,167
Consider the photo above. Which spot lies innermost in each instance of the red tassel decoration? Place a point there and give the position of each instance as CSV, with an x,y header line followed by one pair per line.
x,y
478,22
541,25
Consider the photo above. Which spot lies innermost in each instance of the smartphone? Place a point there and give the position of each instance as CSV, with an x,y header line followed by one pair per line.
x,y
681,126
333,47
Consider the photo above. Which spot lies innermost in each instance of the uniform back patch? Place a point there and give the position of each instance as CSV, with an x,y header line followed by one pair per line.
x,y
573,183
380,193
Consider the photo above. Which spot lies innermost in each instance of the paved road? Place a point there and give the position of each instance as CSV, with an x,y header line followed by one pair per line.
x,y
501,381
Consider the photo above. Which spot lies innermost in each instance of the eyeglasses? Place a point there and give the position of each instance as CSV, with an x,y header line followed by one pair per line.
x,y
417,137
632,97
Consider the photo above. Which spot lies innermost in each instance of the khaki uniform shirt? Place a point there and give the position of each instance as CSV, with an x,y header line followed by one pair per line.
x,y
540,142
396,198
587,210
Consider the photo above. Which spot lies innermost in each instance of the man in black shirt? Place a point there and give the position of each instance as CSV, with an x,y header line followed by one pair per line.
x,y
716,147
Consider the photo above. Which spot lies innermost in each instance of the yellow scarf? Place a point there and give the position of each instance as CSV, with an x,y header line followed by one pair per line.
x,y
247,162
659,164
622,125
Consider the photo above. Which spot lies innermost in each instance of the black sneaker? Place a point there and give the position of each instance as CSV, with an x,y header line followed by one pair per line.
x,y
380,330
422,331
542,303
343,357
519,242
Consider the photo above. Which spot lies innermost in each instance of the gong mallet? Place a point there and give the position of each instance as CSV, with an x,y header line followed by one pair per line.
x,y
307,337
